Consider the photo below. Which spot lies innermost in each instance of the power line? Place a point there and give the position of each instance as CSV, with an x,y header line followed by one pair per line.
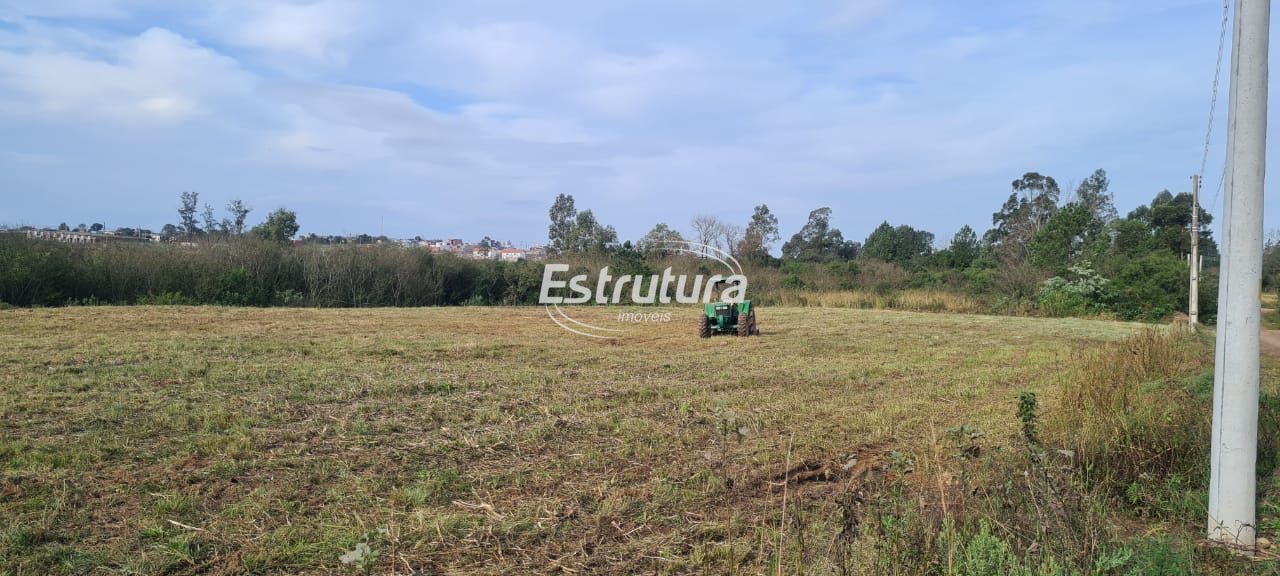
x,y
1213,100
1221,180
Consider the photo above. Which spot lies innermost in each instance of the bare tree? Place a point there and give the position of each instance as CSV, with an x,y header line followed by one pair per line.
x,y
706,229
730,236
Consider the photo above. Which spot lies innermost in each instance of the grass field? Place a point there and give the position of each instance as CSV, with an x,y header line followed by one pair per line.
x,y
180,440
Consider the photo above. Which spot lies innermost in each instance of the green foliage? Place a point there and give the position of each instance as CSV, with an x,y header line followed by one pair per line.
x,y
589,236
281,226
1129,267
1071,234
563,212
1151,287
759,236
1081,291
964,248
239,213
660,241
1132,237
900,245
364,556
574,231
235,288
289,298
980,280
1271,264
818,241
1093,193
1032,202
1028,415
251,272
187,214
628,261
986,555
1160,556
844,273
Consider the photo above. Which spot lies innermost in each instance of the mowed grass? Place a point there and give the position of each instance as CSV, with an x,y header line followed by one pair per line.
x,y
176,440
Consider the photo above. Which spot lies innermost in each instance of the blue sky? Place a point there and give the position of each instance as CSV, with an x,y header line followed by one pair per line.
x,y
465,119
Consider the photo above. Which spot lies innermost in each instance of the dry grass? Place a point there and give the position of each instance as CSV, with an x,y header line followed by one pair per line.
x,y
474,440
908,300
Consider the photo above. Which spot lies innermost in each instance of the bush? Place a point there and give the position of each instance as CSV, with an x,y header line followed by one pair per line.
x,y
249,272
1209,296
1127,414
1081,292
1153,287
289,298
845,274
980,280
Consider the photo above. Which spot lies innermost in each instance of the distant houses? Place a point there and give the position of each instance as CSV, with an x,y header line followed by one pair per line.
x,y
486,249
85,237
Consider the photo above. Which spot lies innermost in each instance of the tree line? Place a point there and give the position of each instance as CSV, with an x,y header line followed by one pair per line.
x,y
1045,252
1058,254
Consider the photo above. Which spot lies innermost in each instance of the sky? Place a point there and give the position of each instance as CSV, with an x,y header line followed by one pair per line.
x,y
465,119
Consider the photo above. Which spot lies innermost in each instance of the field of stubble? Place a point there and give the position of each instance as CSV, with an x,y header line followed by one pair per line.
x,y
183,440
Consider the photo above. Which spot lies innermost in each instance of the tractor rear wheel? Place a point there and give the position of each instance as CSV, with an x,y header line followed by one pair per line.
x,y
747,325
704,327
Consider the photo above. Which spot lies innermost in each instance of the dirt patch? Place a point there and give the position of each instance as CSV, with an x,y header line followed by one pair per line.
x,y
1271,343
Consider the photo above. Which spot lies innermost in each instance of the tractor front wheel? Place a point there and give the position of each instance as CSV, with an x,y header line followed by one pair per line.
x,y
704,327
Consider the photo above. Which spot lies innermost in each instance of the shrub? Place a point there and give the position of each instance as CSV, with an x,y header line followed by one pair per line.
x,y
1082,291
1152,287
845,274
1125,412
289,297
979,280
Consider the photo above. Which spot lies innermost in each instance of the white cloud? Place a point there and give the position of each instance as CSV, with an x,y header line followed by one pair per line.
x,y
157,75
314,29
642,110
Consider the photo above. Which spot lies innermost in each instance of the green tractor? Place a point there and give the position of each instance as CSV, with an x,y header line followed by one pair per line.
x,y
728,318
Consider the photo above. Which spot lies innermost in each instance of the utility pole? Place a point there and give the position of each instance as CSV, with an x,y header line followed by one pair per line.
x,y
1193,307
1234,450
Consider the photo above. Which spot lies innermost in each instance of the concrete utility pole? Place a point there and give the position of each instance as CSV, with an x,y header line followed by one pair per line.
x,y
1234,451
1193,307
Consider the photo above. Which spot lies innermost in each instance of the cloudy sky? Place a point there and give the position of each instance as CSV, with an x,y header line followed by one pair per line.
x,y
467,118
